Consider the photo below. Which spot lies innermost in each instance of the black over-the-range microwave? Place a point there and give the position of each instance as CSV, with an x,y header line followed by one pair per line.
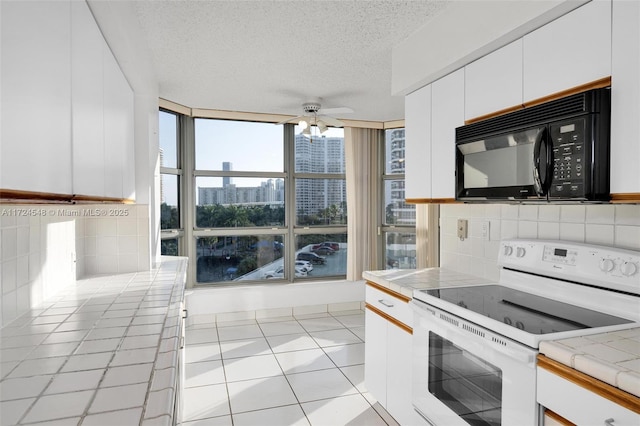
x,y
555,151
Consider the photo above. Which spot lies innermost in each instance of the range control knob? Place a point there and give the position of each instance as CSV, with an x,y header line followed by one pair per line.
x,y
628,269
508,250
607,265
520,252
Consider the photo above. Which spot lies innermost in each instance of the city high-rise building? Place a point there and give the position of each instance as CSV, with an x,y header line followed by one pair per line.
x,y
320,155
227,166
394,189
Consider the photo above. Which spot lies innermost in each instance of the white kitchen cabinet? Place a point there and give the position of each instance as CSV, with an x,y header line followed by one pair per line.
x,y
388,353
36,105
118,125
87,45
625,97
447,113
375,356
494,82
399,375
572,50
418,144
579,405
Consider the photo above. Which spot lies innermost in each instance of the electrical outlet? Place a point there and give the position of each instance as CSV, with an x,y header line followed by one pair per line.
x,y
485,230
462,229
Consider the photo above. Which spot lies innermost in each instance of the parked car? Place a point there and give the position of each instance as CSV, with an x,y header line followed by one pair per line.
x,y
305,265
324,250
311,257
333,246
279,273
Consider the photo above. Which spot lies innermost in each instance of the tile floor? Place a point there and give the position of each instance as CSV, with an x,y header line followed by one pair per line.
x,y
303,370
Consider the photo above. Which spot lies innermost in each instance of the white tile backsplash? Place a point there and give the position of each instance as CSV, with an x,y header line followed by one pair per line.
x,y
45,248
609,225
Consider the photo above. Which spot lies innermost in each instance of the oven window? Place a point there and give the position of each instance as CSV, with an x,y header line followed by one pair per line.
x,y
469,386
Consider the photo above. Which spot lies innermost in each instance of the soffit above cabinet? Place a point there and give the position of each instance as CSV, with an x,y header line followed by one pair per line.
x,y
468,30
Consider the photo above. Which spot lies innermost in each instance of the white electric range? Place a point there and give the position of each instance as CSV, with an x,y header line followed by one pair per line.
x,y
475,347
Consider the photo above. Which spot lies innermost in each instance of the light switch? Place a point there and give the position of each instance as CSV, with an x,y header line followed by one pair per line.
x,y
462,229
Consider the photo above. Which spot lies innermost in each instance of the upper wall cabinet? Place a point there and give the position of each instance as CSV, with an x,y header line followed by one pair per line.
x,y
118,128
67,109
625,98
418,144
494,82
36,106
87,97
447,113
572,50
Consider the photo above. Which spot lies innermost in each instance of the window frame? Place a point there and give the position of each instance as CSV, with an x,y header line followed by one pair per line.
x,y
174,233
384,228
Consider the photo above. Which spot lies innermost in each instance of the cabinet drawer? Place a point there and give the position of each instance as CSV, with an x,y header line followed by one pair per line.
x,y
579,405
390,304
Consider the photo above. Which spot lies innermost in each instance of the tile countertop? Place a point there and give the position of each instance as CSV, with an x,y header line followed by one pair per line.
x,y
404,281
104,351
613,358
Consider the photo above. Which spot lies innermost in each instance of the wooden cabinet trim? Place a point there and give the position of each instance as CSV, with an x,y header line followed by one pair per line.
x,y
389,318
629,197
390,292
557,417
613,394
12,196
432,201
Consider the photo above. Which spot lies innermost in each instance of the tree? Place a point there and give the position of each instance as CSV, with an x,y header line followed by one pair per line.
x,y
169,217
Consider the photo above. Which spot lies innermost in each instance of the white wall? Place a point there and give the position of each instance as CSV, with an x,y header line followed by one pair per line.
x,y
206,305
609,225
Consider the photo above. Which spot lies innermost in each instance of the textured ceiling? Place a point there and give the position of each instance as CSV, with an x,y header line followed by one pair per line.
x,y
271,56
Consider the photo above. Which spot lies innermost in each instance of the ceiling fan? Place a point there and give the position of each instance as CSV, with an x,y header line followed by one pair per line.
x,y
315,115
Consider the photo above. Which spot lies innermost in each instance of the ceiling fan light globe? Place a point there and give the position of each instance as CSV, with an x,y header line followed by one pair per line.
x,y
322,127
303,124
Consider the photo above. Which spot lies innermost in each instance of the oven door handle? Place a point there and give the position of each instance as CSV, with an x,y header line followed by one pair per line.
x,y
428,318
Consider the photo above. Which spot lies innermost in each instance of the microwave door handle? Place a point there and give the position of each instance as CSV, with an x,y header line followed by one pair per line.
x,y
542,163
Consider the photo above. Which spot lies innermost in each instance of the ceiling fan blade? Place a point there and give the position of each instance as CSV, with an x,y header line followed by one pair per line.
x,y
330,121
294,119
338,110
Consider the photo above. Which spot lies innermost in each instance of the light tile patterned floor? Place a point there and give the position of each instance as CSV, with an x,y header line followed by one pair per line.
x,y
304,370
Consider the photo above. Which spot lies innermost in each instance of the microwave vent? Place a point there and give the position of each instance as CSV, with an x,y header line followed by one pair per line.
x,y
553,110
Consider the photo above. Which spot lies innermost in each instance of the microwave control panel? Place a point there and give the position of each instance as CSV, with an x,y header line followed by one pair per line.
x,y
568,139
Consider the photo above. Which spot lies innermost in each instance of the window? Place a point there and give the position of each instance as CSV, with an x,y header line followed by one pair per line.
x,y
170,172
268,202
398,217
320,201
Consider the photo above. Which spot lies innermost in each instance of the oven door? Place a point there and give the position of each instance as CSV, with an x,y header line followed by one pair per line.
x,y
464,374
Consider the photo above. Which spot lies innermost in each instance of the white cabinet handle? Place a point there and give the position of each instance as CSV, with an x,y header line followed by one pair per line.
x,y
385,303
609,421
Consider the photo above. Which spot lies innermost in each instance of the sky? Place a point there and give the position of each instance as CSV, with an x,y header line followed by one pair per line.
x,y
248,146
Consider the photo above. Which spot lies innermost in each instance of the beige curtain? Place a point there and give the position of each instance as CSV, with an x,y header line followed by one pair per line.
x,y
363,199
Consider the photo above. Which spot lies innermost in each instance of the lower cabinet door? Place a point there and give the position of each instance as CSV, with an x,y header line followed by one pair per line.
x,y
399,376
375,356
